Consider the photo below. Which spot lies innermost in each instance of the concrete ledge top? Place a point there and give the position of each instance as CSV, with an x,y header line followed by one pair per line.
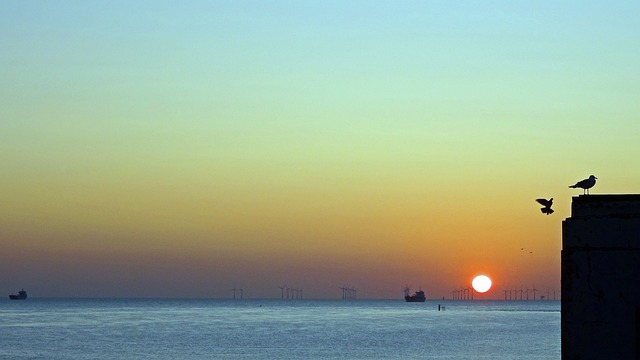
x,y
606,197
607,205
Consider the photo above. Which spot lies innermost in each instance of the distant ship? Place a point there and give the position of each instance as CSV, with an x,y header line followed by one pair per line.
x,y
21,295
417,297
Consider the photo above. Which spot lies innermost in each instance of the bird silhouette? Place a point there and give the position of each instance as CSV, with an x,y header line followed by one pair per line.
x,y
546,209
585,184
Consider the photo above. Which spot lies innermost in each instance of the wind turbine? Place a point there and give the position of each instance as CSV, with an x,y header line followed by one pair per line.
x,y
534,291
281,291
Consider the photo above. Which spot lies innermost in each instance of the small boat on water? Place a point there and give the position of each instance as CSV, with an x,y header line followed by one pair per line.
x,y
417,297
21,295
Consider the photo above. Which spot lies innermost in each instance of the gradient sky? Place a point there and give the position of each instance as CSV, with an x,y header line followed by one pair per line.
x,y
163,149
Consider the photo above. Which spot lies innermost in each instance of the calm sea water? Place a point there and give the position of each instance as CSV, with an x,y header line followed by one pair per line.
x,y
278,329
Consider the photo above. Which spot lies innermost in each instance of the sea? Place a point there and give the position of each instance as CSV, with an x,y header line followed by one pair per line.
x,y
39,328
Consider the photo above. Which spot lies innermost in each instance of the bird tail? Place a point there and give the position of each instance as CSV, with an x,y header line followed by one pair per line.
x,y
572,186
547,210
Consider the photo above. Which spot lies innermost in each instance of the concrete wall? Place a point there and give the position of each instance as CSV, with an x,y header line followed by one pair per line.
x,y
601,278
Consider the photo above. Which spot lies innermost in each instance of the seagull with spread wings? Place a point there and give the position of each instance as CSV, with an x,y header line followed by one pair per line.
x,y
546,209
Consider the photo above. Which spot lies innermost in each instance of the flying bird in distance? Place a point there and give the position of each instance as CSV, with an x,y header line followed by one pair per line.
x,y
585,184
546,209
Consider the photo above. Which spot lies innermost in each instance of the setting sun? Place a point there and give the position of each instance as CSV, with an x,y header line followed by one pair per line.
x,y
481,283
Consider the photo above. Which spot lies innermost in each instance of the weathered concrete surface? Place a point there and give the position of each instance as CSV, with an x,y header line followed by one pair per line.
x,y
601,278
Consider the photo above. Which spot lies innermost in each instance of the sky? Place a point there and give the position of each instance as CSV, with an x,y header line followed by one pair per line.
x,y
172,149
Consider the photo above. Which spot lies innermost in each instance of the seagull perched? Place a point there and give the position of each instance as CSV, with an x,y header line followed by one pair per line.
x,y
547,205
585,184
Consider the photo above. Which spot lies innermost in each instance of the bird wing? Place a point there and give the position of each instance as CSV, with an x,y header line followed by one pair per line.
x,y
544,202
582,183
